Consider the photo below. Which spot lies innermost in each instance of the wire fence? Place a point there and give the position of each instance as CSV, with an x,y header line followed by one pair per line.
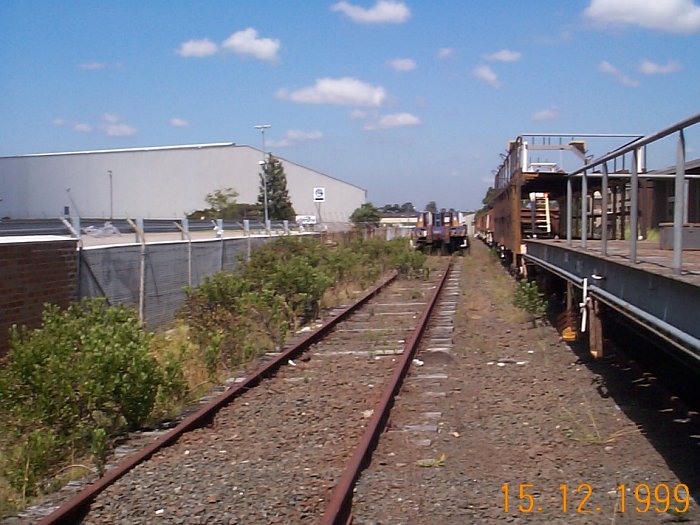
x,y
153,276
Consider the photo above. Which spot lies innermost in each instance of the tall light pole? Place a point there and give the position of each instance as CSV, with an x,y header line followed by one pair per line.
x,y
262,128
111,200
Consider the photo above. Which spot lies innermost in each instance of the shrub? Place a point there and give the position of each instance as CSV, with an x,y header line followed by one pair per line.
x,y
87,367
281,287
528,297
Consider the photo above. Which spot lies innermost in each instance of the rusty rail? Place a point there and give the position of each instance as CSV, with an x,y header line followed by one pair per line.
x,y
339,510
74,508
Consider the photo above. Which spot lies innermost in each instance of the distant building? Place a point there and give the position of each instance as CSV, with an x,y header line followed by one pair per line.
x,y
398,219
160,182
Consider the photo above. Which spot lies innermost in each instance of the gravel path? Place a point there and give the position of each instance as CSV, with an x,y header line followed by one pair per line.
x,y
512,404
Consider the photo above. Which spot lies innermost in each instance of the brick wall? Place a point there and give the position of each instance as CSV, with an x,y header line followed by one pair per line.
x,y
33,272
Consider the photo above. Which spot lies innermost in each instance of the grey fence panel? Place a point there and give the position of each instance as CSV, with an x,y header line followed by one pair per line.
x,y
114,272
206,260
166,279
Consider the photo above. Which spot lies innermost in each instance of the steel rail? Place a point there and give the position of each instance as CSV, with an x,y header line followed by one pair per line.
x,y
339,510
72,510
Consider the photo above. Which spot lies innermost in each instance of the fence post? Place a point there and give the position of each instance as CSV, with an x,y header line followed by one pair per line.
x,y
184,231
138,229
246,232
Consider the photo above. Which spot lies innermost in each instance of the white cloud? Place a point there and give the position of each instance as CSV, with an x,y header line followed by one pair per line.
x,y
650,68
119,130
83,127
296,136
110,118
247,43
383,12
112,126
504,55
674,16
546,114
394,121
488,75
608,69
58,122
358,114
177,122
402,64
197,48
345,91
445,52
92,66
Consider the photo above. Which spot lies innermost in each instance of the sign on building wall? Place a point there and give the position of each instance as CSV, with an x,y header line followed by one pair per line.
x,y
319,194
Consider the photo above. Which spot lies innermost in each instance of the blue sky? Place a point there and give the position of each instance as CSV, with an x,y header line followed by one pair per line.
x,y
412,100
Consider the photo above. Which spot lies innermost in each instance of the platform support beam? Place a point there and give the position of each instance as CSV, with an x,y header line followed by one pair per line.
x,y
595,329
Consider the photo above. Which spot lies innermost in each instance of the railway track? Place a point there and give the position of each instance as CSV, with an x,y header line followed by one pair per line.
x,y
285,445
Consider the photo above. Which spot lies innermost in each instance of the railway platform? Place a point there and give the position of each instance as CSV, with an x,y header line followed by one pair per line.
x,y
646,289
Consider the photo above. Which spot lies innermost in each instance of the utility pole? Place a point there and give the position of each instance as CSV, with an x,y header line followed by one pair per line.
x,y
262,128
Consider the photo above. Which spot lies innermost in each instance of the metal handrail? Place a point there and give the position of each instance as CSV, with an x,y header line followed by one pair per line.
x,y
637,148
644,141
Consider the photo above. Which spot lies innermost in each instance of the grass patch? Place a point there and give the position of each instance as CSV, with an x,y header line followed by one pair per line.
x,y
585,428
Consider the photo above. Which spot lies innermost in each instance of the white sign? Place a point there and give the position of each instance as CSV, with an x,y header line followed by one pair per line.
x,y
319,194
306,219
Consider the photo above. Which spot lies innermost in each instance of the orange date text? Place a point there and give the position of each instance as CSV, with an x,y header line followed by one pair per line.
x,y
641,498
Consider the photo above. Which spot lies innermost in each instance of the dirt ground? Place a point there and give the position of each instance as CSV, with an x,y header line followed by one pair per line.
x,y
529,429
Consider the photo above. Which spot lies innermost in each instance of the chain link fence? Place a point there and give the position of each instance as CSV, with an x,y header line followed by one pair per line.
x,y
153,276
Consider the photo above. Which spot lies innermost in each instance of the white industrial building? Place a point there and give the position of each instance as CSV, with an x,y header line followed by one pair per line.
x,y
161,182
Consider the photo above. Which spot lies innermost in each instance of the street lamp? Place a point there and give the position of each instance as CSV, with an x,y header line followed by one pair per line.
x,y
262,128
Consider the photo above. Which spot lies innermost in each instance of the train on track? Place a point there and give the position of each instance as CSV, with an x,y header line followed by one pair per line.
x,y
530,197
443,232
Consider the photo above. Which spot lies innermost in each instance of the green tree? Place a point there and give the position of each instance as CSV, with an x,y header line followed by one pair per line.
x,y
407,207
222,205
487,201
431,206
366,215
279,205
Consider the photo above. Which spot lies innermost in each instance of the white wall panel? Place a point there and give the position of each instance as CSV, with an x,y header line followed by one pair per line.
x,y
156,183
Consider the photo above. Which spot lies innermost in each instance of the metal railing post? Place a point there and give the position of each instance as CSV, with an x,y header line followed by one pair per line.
x,y
679,206
569,211
634,206
584,210
604,212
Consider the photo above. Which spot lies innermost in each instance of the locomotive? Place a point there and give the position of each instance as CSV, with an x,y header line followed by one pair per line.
x,y
443,232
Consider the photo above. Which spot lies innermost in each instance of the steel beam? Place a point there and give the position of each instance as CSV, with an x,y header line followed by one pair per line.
x,y
655,301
